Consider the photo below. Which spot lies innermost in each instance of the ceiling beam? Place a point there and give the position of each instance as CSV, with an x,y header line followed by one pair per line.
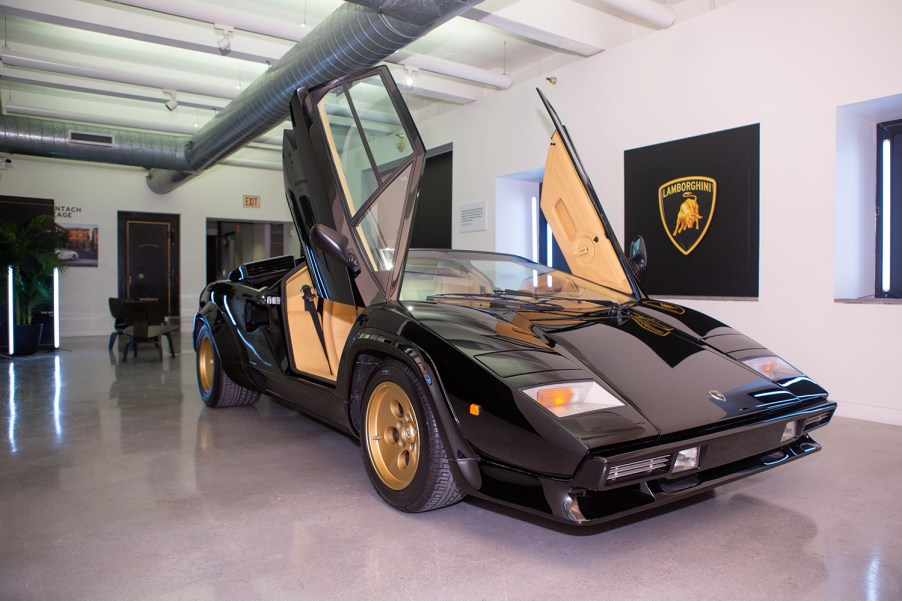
x,y
289,27
33,69
146,27
134,75
116,90
190,25
648,12
576,29
435,88
451,68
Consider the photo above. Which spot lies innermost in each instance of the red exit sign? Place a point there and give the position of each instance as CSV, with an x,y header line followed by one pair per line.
x,y
251,202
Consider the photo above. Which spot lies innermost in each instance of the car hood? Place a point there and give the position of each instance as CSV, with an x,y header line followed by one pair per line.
x,y
666,362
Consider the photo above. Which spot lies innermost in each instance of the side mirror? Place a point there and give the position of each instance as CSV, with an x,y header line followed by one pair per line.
x,y
638,256
335,245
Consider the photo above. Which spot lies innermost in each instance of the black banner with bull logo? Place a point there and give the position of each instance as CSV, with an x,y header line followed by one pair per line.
x,y
695,201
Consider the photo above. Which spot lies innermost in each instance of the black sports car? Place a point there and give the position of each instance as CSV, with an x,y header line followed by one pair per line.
x,y
570,395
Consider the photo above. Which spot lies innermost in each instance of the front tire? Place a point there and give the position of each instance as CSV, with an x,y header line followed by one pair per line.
x,y
401,445
216,388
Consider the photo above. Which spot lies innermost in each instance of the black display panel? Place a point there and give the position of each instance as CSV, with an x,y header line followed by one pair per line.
x,y
695,201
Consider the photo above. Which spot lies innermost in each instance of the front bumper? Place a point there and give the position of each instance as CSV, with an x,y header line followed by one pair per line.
x,y
613,486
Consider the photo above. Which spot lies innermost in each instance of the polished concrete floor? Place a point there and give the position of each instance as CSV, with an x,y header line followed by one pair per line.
x,y
116,483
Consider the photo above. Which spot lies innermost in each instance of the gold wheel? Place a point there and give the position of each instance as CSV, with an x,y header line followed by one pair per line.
x,y
205,359
392,435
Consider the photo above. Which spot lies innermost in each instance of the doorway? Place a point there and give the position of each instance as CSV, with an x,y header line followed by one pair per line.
x,y
149,258
431,226
231,243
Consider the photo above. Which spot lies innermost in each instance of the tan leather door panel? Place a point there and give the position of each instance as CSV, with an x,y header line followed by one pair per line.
x,y
575,222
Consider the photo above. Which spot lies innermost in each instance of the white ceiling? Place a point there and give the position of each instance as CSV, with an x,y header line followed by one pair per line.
x,y
117,63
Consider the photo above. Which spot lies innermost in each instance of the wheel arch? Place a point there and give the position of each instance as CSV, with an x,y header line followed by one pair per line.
x,y
232,356
369,348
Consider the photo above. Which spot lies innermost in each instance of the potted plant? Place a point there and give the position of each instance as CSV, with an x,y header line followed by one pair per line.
x,y
31,250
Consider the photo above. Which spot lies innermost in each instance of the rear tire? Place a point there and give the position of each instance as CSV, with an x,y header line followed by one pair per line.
x,y
402,447
216,388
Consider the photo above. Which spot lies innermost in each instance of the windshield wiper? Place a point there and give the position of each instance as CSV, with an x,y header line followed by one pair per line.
x,y
603,302
609,307
500,299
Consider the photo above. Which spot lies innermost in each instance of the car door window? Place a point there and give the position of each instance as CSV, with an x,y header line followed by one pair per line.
x,y
379,224
375,160
367,138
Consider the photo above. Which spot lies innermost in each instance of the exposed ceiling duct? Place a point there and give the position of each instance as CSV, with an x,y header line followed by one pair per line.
x,y
356,36
80,142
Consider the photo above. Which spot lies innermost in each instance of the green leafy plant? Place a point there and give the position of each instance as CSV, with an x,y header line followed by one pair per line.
x,y
31,250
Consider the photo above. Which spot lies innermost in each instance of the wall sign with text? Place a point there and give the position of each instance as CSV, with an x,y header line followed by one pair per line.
x,y
472,216
695,201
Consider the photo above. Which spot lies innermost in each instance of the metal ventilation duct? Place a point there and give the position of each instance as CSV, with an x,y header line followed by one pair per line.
x,y
358,35
80,142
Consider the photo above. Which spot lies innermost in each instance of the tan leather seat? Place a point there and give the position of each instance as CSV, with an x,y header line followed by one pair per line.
x,y
306,351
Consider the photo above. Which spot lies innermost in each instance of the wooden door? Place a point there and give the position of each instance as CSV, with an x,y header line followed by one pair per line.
x,y
149,258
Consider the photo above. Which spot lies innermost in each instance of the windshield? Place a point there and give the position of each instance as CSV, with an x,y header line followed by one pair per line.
x,y
454,275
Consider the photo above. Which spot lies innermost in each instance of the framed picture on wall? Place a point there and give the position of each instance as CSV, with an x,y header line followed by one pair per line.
x,y
81,251
695,201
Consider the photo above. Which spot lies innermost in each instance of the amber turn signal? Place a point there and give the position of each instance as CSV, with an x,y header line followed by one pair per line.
x,y
554,397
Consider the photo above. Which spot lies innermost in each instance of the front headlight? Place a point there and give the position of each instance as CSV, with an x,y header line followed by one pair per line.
x,y
572,398
773,368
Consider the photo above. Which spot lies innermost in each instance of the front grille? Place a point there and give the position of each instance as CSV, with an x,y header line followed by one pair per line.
x,y
638,469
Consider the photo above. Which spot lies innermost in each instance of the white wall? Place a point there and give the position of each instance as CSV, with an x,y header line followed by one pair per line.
x,y
786,64
101,191
513,207
856,189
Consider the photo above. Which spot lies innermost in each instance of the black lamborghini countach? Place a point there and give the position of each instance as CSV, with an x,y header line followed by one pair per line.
x,y
565,393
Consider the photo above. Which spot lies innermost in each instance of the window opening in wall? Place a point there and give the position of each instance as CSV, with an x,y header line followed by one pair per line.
x,y
549,242
550,252
886,216
535,228
889,210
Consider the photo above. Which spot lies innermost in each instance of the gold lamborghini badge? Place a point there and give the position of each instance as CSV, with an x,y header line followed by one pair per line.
x,y
687,207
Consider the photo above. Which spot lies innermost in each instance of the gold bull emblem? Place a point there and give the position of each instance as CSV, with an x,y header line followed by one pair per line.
x,y
683,204
688,216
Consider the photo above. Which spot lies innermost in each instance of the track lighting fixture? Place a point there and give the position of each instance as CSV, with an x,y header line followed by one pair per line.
x,y
225,33
410,74
173,102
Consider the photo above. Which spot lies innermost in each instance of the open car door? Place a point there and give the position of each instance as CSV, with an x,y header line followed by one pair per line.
x,y
352,163
577,220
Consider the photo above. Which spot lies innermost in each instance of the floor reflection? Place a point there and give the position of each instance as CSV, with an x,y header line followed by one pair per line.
x,y
117,482
11,432
22,390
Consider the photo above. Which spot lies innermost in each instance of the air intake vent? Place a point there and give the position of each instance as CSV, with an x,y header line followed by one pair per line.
x,y
83,137
815,421
638,469
259,272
